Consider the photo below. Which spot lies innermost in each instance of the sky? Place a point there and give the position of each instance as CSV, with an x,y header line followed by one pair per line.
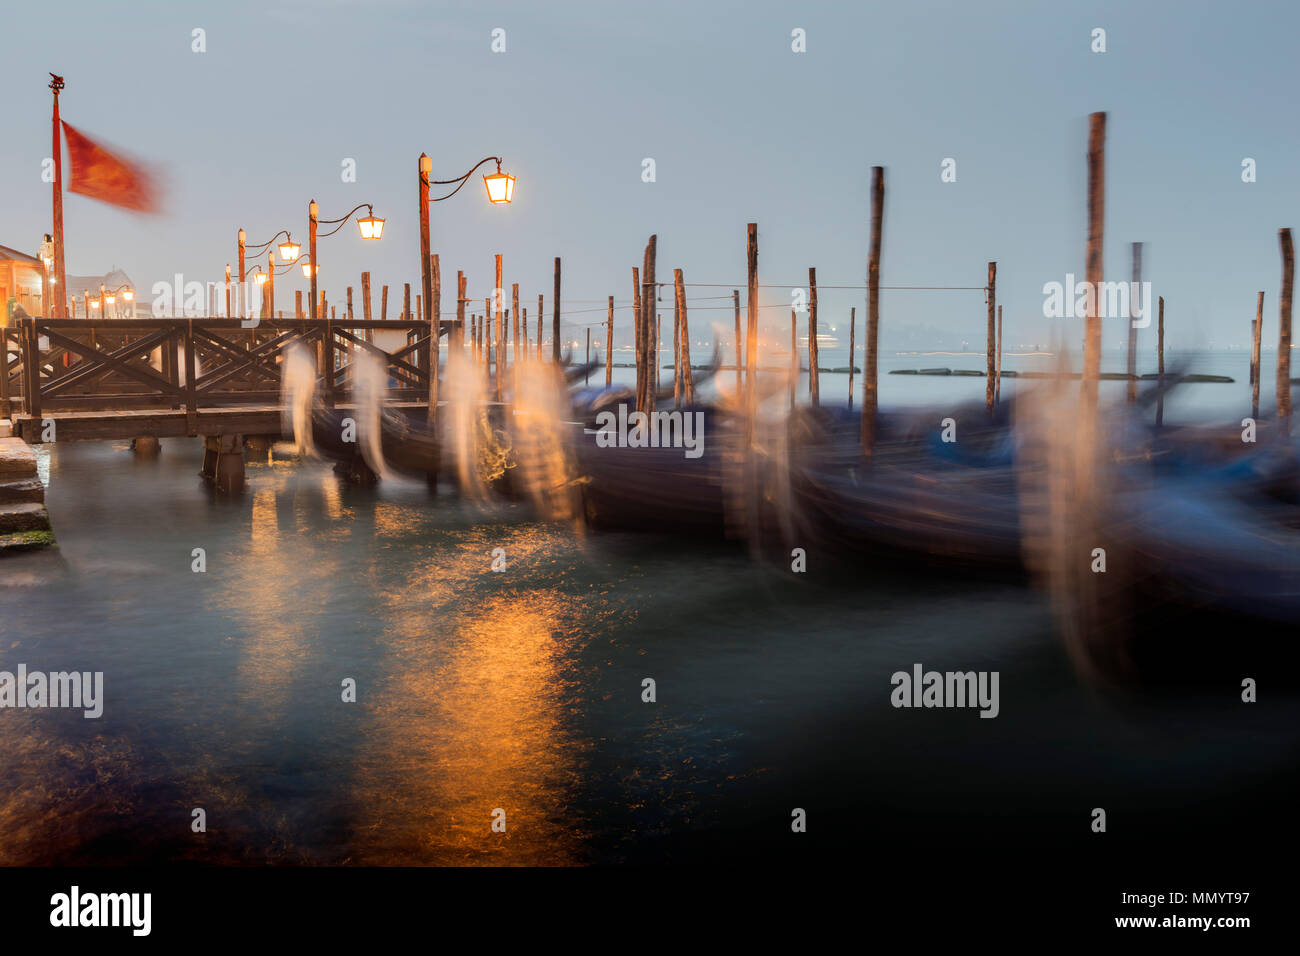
x,y
740,127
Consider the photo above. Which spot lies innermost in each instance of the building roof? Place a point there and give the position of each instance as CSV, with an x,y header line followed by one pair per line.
x,y
13,255
110,280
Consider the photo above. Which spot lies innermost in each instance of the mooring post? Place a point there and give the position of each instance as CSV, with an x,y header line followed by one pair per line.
x,y
1160,364
1256,336
873,309
555,309
853,317
1284,333
365,305
1135,287
814,353
648,303
677,350
609,345
740,352
383,304
997,387
638,339
688,377
498,294
990,342
794,357
514,315
540,314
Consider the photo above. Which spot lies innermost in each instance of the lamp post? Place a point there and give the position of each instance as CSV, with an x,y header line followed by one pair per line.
x,y
128,295
288,250
370,226
500,190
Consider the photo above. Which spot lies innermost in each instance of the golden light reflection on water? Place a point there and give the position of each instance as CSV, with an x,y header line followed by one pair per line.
x,y
471,716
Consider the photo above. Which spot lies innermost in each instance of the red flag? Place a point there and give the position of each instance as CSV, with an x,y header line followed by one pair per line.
x,y
99,174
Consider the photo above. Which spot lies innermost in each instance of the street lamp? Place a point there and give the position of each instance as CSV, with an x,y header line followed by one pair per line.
x,y
286,247
128,295
500,190
371,228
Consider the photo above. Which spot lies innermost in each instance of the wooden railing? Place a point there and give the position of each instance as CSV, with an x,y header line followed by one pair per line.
x,y
109,364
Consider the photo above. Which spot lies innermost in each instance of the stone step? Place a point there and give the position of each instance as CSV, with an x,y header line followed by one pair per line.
x,y
24,517
17,460
22,491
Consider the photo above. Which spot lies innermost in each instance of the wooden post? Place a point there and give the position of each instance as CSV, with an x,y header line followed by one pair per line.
x,y
365,304
587,376
1284,333
638,338
406,301
555,309
540,313
869,394
349,308
735,300
523,333
297,304
499,295
677,348
383,305
1096,230
473,337
514,314
997,386
228,292
853,323
460,310
1132,387
609,345
1257,331
684,332
433,351
485,325
814,353
751,329
990,386
424,173
1160,363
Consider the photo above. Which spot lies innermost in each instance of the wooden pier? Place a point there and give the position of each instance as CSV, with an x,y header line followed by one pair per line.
x,y
97,379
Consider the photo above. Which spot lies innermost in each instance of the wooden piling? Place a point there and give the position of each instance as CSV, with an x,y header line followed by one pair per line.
x,y
383,305
814,353
677,351
990,385
1160,363
540,313
523,334
365,304
648,300
735,301
751,328
853,315
1134,292
997,385
349,308
499,295
873,309
638,338
587,375
1284,333
460,310
555,310
1096,229
684,332
609,345
485,327
1256,336
514,314
297,304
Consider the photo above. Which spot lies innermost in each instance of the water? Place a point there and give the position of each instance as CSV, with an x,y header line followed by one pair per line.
x,y
522,691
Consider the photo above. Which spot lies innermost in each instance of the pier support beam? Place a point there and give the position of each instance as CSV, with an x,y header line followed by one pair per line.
x,y
146,446
223,462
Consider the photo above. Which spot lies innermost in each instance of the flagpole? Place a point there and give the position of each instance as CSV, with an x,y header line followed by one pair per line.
x,y
60,277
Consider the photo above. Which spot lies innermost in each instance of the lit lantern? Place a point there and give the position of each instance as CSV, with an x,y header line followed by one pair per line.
x,y
129,295
500,187
370,226
260,278
94,303
110,298
307,269
289,250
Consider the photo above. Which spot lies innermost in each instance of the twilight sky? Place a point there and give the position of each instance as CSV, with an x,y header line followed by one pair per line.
x,y
740,127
